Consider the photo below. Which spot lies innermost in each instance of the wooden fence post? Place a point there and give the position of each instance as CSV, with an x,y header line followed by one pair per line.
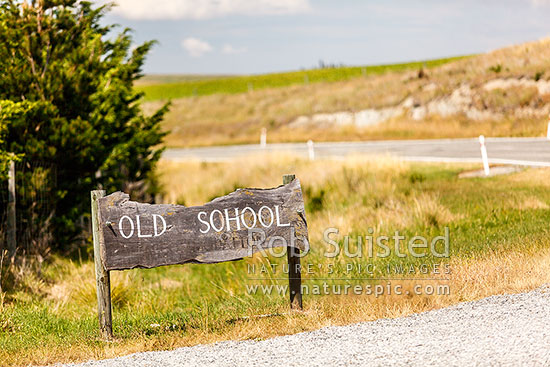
x,y
103,281
11,223
294,271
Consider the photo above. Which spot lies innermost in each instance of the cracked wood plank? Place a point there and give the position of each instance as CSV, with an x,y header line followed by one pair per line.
x,y
139,235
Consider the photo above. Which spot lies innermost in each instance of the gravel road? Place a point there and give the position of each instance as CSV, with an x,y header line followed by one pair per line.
x,y
505,330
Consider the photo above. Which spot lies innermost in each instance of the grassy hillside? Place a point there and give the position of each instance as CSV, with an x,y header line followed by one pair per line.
x,y
171,87
156,79
502,93
498,243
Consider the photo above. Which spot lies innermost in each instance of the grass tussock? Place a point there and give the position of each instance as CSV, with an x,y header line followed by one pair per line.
x,y
498,243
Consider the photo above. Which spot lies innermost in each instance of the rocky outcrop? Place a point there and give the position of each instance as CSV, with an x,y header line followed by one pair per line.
x,y
464,100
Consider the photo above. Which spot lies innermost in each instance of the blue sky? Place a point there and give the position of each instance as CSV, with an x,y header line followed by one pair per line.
x,y
258,36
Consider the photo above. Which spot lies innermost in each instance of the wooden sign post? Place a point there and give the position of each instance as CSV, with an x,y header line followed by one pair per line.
x,y
103,280
294,270
129,234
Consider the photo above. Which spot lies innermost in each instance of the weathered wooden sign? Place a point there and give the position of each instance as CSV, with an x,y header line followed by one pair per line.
x,y
129,234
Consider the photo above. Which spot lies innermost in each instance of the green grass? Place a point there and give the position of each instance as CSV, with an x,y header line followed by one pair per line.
x,y
151,79
170,89
52,317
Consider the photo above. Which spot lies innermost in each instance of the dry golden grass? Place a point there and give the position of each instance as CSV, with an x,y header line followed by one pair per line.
x,y
193,181
232,119
471,279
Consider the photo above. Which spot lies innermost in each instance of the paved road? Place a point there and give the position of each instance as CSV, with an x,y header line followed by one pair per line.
x,y
519,151
506,330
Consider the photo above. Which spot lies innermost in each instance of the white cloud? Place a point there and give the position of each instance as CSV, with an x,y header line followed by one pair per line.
x,y
540,3
230,50
195,46
205,9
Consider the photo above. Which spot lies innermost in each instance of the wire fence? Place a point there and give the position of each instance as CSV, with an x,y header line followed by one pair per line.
x,y
35,183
